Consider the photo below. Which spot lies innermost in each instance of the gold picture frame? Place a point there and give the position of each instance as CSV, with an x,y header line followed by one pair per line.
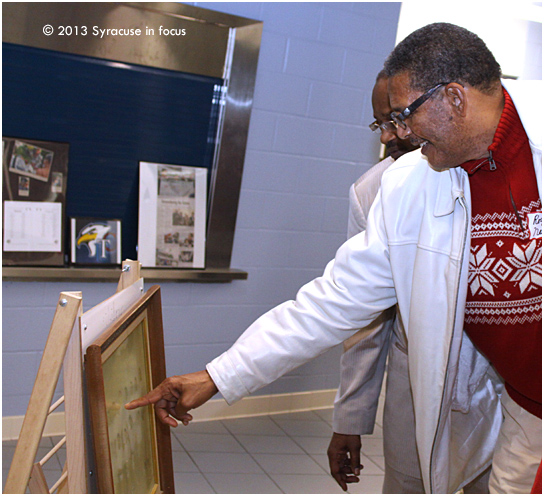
x,y
132,450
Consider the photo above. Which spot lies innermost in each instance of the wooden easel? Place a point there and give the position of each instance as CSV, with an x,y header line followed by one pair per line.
x,y
63,347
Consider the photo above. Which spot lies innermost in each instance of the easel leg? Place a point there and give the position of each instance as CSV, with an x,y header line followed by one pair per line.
x,y
42,393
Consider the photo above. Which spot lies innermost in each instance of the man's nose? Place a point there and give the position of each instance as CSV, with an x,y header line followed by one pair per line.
x,y
387,136
403,133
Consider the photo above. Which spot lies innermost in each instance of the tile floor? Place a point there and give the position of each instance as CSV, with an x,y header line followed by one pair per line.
x,y
272,454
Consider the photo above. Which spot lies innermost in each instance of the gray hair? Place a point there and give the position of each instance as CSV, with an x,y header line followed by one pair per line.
x,y
443,52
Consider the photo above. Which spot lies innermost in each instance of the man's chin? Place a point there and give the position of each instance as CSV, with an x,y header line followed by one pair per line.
x,y
435,164
395,154
439,168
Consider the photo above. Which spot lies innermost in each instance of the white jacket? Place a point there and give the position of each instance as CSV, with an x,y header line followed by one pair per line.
x,y
414,252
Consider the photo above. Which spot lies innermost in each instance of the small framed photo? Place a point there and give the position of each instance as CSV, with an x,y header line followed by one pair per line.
x,y
31,160
24,186
95,241
132,449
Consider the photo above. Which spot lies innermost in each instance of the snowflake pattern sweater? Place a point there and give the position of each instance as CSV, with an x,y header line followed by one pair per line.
x,y
503,313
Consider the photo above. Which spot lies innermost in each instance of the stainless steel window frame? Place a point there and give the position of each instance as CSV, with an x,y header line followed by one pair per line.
x,y
219,45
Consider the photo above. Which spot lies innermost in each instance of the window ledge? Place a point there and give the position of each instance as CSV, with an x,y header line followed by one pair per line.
x,y
112,274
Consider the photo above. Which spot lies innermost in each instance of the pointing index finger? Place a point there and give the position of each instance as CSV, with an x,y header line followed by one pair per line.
x,y
149,399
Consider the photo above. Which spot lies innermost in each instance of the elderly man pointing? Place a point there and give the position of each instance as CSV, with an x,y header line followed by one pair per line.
x,y
453,239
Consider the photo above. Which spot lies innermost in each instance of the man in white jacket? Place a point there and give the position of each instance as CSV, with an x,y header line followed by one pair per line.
x,y
417,252
363,362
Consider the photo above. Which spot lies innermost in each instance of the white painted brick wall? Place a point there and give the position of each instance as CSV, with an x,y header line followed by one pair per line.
x,y
308,142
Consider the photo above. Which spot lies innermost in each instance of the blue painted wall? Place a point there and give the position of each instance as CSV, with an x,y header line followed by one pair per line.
x,y
111,111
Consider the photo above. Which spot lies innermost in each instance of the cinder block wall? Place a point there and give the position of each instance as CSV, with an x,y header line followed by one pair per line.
x,y
308,141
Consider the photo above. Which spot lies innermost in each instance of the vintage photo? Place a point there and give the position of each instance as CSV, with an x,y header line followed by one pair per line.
x,y
132,446
57,182
24,186
132,452
30,160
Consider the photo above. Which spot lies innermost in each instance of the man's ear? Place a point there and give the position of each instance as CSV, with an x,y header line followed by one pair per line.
x,y
457,97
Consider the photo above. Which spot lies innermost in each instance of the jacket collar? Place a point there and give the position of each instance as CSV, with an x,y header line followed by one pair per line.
x,y
451,187
527,97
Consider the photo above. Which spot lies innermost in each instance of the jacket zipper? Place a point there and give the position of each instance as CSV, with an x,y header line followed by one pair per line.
x,y
492,164
490,159
463,203
516,210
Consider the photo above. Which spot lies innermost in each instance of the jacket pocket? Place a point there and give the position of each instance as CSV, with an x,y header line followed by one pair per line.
x,y
472,369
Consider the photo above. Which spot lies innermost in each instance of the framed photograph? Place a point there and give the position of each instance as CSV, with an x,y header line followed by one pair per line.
x,y
172,216
33,200
31,160
95,241
132,449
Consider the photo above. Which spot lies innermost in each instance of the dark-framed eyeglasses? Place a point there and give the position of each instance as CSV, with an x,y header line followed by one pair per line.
x,y
399,117
388,126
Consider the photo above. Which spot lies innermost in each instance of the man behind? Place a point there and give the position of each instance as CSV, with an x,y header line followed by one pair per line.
x,y
364,359
432,246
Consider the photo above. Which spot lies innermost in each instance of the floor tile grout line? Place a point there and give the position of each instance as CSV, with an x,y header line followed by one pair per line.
x,y
252,457
373,462
196,465
301,447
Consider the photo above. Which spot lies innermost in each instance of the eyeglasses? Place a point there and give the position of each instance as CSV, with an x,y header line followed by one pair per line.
x,y
388,126
398,118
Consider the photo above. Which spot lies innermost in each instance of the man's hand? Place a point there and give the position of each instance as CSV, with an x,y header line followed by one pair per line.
x,y
176,395
344,454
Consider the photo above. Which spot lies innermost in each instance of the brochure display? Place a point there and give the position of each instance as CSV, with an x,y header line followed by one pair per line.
x,y
172,216
34,195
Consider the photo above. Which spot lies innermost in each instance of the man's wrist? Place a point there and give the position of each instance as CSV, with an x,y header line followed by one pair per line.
x,y
211,384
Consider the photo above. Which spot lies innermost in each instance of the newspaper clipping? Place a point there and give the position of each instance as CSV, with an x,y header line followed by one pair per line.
x,y
180,217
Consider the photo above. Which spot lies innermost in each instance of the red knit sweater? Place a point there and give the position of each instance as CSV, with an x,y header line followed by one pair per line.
x,y
503,315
